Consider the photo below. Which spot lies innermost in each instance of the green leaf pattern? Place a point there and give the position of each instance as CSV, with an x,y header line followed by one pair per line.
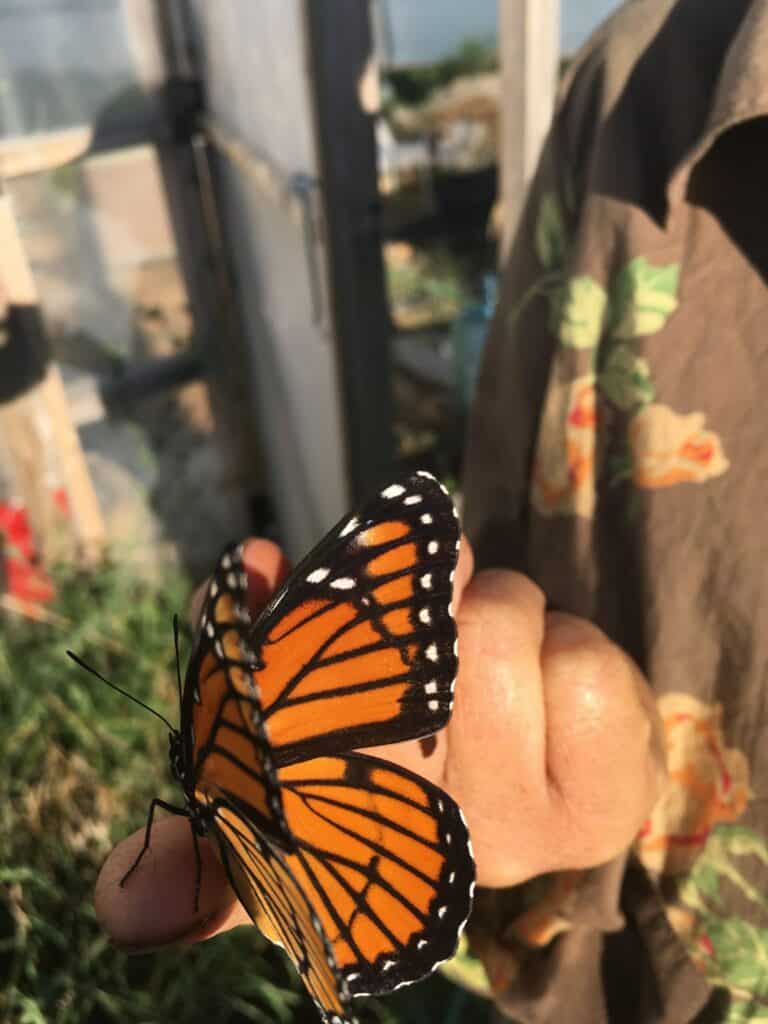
x,y
550,238
606,323
643,297
639,301
732,950
581,313
626,379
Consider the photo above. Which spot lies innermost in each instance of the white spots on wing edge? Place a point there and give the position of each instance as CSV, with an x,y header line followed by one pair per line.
x,y
209,628
393,491
431,687
318,575
425,616
413,499
433,705
426,581
427,519
433,547
431,652
343,583
353,524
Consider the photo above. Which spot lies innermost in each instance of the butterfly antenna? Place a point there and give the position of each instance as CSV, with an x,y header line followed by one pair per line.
x,y
89,668
178,660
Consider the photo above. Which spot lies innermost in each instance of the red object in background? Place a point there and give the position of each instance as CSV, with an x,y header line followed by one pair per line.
x,y
24,578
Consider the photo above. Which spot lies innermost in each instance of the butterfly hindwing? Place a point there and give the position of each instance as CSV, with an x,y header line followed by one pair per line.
x,y
385,861
273,898
359,646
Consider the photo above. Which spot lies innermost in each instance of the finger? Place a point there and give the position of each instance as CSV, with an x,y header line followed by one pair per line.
x,y
156,906
465,566
266,567
605,751
497,740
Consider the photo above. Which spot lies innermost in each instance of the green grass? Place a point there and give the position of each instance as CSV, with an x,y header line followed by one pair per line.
x,y
79,766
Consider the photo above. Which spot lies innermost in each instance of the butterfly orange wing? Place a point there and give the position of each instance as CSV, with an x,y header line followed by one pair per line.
x,y
222,724
379,885
359,646
270,893
385,860
361,870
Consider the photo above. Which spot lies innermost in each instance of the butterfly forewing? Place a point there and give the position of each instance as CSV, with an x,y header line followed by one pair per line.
x,y
359,647
222,723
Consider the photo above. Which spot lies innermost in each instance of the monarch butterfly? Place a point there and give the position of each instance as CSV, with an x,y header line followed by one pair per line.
x,y
360,869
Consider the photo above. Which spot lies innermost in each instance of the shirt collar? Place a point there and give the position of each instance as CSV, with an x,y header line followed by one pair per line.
x,y
741,93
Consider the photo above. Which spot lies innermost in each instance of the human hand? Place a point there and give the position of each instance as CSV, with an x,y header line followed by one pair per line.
x,y
553,751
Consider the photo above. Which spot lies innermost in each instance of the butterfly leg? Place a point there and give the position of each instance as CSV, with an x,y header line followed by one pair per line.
x,y
198,865
166,807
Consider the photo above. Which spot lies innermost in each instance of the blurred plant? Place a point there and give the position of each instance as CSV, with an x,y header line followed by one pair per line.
x,y
424,286
414,85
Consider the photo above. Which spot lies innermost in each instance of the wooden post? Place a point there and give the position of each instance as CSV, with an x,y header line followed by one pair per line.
x,y
529,48
35,425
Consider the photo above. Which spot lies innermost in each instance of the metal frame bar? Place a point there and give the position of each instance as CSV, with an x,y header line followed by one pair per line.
x,y
340,48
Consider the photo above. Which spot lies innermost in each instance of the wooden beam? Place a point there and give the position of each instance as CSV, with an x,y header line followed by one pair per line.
x,y
43,151
529,50
35,424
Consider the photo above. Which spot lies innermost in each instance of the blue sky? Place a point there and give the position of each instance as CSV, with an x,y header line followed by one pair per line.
x,y
423,30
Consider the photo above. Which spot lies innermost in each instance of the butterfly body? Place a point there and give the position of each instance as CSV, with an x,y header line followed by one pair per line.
x,y
360,869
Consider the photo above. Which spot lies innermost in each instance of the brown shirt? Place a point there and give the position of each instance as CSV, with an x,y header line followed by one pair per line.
x,y
618,455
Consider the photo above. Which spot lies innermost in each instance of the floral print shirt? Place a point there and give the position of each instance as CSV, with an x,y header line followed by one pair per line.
x,y
618,455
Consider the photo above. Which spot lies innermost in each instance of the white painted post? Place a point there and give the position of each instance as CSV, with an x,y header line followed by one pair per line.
x,y
529,50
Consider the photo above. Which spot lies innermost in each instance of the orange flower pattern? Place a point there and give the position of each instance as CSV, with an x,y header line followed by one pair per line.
x,y
708,784
563,480
670,448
